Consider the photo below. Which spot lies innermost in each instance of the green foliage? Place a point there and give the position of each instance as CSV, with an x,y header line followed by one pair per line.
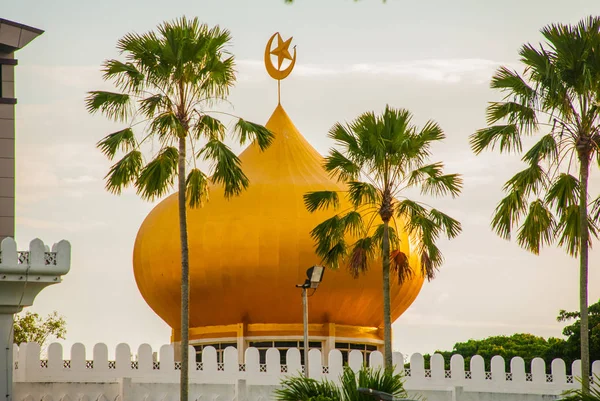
x,y
30,327
300,388
378,158
557,95
164,87
571,348
528,346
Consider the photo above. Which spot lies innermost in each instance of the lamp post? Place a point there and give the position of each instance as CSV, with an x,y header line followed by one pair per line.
x,y
314,276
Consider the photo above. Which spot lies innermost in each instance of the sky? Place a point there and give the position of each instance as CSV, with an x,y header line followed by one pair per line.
x,y
434,58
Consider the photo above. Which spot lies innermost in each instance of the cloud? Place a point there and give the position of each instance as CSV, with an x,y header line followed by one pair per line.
x,y
70,226
448,71
417,319
56,170
82,179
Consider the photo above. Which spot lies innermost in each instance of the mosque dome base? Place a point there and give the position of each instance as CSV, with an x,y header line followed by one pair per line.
x,y
263,336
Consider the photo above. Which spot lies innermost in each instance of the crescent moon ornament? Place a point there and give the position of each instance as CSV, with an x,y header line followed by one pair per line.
x,y
282,52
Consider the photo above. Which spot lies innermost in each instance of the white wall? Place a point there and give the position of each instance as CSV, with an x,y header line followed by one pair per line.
x,y
88,375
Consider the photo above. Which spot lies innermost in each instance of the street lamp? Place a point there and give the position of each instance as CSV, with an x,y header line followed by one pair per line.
x,y
314,276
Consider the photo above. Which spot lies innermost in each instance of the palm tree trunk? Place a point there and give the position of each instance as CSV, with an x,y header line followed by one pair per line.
x,y
583,272
185,279
387,313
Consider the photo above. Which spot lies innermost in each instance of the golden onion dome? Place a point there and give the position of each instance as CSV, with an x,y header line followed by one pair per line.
x,y
248,253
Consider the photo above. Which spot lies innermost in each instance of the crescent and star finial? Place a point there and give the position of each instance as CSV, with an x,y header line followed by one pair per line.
x,y
282,52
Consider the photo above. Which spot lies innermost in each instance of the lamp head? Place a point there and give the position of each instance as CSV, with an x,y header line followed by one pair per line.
x,y
315,276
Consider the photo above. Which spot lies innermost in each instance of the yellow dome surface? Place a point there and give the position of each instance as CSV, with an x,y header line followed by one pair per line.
x,y
248,253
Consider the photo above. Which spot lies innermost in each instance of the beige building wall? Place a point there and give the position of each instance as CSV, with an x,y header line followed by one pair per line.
x,y
13,36
7,145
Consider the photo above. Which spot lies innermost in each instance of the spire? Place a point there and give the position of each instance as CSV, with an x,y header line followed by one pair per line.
x,y
282,52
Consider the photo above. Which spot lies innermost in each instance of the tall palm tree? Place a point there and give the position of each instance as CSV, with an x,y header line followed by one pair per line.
x,y
301,388
379,158
167,81
557,96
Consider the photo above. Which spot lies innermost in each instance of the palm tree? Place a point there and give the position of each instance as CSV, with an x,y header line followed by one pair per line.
x,y
557,96
301,388
380,157
165,84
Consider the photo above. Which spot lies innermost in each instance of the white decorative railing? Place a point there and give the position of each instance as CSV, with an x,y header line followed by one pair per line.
x,y
39,258
145,367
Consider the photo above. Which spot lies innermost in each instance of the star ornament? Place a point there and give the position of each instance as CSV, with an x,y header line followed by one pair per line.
x,y
282,51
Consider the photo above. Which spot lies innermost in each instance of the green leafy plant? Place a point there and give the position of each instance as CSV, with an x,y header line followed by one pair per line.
x,y
301,388
31,328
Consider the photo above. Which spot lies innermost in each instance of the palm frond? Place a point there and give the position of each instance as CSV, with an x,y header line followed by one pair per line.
x,y
508,212
227,169
569,229
442,185
545,149
320,200
450,226
158,176
506,136
431,132
362,251
420,174
595,209
410,209
153,104
125,75
330,244
563,192
528,181
523,116
207,127
168,127
580,395
353,223
116,106
196,186
121,140
511,82
341,167
361,193
538,227
392,236
431,258
301,388
400,265
247,130
345,138
124,172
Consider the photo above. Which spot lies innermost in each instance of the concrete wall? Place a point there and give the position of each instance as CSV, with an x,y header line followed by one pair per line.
x,y
150,376
131,390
